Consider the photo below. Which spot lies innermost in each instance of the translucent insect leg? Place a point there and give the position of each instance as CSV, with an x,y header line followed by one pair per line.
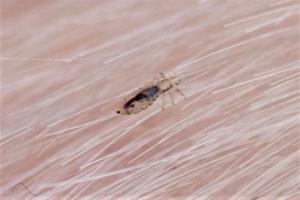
x,y
163,103
162,75
172,98
180,92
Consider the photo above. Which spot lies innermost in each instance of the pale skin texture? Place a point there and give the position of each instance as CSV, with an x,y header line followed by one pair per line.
x,y
66,67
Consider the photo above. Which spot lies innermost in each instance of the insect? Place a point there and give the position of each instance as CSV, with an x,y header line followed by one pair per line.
x,y
145,97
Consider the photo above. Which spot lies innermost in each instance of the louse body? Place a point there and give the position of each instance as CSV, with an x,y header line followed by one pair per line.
x,y
147,95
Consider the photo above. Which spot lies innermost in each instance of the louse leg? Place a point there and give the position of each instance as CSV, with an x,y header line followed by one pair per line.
x,y
172,98
180,92
162,75
163,103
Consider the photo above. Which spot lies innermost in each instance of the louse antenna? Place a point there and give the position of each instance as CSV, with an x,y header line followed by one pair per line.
x,y
26,187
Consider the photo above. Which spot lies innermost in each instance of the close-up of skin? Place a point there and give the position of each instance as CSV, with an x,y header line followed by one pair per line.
x,y
150,99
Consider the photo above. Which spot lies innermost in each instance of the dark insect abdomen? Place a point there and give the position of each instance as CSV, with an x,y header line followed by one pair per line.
x,y
149,94
138,97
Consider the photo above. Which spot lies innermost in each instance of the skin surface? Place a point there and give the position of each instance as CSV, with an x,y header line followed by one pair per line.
x,y
67,66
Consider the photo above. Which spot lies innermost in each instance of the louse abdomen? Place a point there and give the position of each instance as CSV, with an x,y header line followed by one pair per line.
x,y
138,97
149,95
152,92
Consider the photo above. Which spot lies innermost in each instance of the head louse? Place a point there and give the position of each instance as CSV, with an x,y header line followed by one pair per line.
x,y
146,96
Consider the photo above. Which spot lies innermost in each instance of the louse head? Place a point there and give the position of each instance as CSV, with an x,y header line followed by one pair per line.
x,y
175,81
167,84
